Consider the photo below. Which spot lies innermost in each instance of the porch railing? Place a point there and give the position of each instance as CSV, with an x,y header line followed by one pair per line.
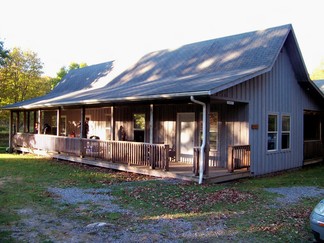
x,y
132,153
238,157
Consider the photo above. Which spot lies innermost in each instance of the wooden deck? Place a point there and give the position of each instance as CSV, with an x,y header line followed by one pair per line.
x,y
179,171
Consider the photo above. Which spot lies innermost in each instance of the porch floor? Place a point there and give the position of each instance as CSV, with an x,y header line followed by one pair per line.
x,y
177,170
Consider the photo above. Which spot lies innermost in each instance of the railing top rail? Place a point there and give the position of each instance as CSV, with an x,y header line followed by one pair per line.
x,y
239,146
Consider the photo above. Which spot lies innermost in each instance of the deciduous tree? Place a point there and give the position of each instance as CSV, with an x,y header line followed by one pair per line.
x,y
21,77
318,73
3,54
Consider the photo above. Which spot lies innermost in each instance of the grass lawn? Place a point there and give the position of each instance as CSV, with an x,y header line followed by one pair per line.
x,y
243,205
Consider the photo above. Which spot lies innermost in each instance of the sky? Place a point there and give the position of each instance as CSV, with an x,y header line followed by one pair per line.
x,y
95,31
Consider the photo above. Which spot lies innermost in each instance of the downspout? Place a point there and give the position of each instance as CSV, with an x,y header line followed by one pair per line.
x,y
203,145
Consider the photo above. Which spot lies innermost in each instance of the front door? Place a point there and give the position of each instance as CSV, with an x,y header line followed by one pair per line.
x,y
185,141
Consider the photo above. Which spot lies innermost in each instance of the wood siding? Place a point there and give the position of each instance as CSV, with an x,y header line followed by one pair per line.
x,y
276,92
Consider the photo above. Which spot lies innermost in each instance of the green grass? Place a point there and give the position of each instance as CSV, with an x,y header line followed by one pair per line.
x,y
244,205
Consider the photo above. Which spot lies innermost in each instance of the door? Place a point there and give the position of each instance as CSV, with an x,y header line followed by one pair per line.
x,y
185,141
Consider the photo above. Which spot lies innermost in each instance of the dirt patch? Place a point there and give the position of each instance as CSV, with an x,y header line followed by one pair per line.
x,y
55,226
9,179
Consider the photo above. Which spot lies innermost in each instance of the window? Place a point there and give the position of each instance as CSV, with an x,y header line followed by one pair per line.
x,y
62,125
285,132
108,127
213,130
272,132
139,127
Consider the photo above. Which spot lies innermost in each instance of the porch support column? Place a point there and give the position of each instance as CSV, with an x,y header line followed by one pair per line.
x,y
82,130
58,127
112,123
10,131
17,121
24,122
35,117
151,123
206,172
39,119
28,121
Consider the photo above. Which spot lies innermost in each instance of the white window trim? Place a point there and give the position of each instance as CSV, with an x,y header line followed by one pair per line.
x,y
286,132
276,132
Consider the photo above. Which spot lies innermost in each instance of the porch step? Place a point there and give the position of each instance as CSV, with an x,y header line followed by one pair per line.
x,y
228,177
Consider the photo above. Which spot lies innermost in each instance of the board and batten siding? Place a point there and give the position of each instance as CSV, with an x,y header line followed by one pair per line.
x,y
233,129
275,92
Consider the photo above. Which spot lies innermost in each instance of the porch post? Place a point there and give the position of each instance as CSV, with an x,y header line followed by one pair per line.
x,y
58,127
151,123
39,119
82,130
24,122
17,121
28,121
10,131
35,117
112,123
206,172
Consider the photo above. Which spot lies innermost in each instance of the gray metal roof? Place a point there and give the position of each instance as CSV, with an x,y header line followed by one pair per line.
x,y
320,84
201,68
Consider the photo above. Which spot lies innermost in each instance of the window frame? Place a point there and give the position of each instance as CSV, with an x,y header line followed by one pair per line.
x,y
285,132
212,130
137,130
276,132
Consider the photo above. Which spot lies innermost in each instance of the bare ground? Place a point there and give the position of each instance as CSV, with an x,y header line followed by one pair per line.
x,y
37,225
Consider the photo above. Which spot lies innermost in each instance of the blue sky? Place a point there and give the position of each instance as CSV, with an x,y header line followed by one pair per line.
x,y
65,31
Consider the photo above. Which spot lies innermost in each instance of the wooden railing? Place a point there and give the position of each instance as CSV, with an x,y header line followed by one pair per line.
x,y
238,157
132,153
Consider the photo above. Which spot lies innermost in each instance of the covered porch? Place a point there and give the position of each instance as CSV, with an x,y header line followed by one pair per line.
x,y
142,158
161,138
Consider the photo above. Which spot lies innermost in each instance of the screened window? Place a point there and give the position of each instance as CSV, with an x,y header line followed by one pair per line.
x,y
139,127
62,125
285,132
272,132
108,127
213,131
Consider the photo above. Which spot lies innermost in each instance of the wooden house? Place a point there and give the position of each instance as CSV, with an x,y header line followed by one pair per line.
x,y
238,102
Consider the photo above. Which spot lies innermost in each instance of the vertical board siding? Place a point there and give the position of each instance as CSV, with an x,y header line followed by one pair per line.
x,y
275,92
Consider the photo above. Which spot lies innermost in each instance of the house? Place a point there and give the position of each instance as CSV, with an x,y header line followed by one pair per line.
x,y
238,102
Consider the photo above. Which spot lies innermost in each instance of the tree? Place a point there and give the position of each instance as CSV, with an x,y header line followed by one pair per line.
x,y
63,71
21,77
318,73
3,54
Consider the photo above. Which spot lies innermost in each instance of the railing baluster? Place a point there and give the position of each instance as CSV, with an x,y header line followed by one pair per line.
x,y
238,157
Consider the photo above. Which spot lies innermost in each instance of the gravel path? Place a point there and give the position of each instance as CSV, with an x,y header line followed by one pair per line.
x,y
294,194
37,225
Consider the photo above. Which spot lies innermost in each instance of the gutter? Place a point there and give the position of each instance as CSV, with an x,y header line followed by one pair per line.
x,y
203,145
100,101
